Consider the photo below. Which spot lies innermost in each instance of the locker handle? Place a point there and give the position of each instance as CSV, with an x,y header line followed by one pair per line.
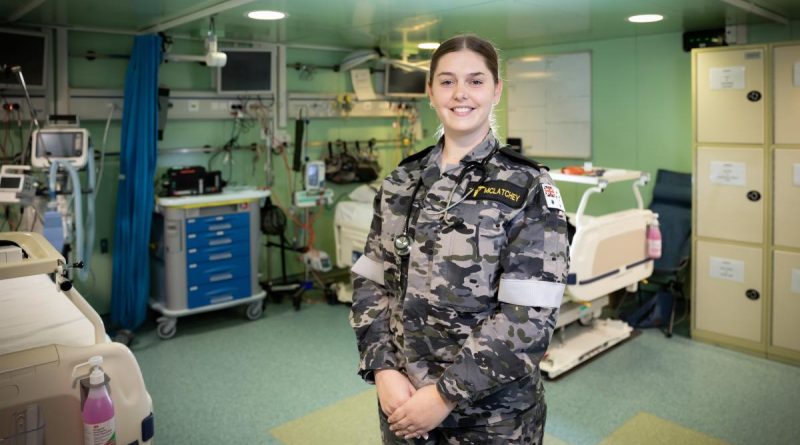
x,y
752,294
754,195
220,277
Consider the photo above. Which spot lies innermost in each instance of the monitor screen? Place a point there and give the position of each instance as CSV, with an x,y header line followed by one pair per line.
x,y
10,182
24,49
249,70
69,144
405,83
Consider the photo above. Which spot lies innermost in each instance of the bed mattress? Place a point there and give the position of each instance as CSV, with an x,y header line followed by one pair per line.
x,y
34,313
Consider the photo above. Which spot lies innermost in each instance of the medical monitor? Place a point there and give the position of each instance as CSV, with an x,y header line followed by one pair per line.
x,y
66,144
404,83
315,175
26,49
248,71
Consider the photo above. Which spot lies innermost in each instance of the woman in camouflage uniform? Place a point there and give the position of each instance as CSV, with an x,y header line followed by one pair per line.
x,y
457,293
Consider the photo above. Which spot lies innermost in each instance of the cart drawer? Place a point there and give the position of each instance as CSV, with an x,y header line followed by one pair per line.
x,y
198,255
205,295
209,273
220,222
217,238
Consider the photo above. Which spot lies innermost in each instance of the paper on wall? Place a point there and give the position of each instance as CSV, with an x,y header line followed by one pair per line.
x,y
362,84
796,281
728,173
727,78
727,269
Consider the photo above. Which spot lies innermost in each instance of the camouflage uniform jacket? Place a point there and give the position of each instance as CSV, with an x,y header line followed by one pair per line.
x,y
484,284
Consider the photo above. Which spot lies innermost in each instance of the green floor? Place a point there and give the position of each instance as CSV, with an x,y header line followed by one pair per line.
x,y
289,378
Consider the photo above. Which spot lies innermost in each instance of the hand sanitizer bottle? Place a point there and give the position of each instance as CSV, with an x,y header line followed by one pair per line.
x,y
98,410
654,240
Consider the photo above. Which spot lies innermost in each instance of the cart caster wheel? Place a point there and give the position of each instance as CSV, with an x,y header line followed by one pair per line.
x,y
586,318
254,310
124,336
296,303
167,329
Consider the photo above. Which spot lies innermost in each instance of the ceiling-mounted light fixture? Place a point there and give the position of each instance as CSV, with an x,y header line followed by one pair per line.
x,y
266,15
428,45
646,18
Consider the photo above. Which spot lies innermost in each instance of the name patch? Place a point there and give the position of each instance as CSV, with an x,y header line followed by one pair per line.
x,y
505,192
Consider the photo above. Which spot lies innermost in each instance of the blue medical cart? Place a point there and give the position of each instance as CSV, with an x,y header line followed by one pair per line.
x,y
206,256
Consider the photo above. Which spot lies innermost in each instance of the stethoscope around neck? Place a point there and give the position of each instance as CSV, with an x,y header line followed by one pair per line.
x,y
402,243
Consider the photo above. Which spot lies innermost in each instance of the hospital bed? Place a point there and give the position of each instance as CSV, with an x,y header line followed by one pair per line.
x,y
48,332
351,223
607,253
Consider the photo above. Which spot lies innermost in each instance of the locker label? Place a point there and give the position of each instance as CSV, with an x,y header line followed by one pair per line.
x,y
796,175
727,78
796,281
728,173
727,269
797,74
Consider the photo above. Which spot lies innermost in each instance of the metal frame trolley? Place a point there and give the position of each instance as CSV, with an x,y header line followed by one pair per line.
x,y
206,256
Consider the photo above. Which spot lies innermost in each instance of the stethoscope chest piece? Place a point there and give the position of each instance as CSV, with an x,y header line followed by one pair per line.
x,y
402,244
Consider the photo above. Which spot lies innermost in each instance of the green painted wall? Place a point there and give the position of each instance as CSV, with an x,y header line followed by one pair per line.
x,y
641,115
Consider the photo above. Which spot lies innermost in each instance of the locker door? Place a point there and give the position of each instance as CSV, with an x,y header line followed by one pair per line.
x,y
729,290
786,301
787,197
730,189
787,94
730,96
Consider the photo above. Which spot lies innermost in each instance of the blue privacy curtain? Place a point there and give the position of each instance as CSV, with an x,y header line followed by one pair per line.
x,y
131,275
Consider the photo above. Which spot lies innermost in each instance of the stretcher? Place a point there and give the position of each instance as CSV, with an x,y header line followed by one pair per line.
x,y
48,332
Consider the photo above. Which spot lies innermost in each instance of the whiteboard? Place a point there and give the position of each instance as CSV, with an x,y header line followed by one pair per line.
x,y
550,104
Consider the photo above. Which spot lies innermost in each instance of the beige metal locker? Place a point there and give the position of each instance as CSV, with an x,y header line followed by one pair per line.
x,y
787,198
786,301
787,94
730,193
729,290
730,96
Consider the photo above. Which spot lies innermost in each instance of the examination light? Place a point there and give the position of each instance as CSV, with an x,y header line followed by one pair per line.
x,y
645,18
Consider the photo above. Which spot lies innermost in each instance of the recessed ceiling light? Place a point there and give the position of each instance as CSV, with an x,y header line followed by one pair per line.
x,y
428,45
645,18
266,15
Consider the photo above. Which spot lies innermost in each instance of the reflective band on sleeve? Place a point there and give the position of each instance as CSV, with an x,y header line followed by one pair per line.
x,y
369,269
531,293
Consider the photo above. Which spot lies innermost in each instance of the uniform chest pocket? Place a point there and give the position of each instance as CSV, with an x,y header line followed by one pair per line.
x,y
467,258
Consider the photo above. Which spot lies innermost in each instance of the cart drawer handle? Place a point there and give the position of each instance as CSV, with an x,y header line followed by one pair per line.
x,y
220,227
220,256
220,277
220,242
221,298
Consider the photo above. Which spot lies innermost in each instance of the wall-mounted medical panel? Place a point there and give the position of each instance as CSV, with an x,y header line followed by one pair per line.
x,y
787,94
730,193
786,301
786,211
730,96
729,290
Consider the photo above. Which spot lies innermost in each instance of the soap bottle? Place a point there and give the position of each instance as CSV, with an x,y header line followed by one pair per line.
x,y
654,240
98,409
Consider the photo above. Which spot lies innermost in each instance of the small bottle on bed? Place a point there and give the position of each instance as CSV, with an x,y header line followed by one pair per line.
x,y
98,409
654,239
